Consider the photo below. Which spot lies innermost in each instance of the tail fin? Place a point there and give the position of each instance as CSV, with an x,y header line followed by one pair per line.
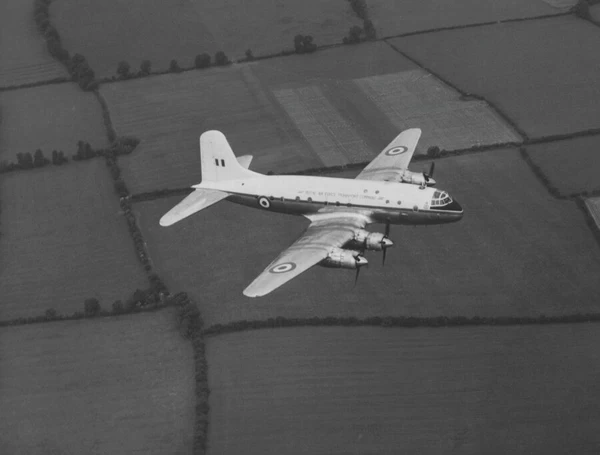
x,y
218,161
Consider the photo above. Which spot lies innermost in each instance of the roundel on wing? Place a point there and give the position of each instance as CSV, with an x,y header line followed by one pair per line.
x,y
283,267
264,202
396,150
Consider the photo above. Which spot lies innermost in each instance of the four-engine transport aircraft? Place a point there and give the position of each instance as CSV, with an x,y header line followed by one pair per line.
x,y
339,209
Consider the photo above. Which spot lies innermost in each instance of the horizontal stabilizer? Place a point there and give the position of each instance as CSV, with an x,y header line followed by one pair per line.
x,y
198,200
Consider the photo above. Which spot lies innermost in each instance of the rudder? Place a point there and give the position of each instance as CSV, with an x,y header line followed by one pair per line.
x,y
218,160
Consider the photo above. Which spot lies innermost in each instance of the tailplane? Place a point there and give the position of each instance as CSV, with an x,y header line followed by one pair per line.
x,y
218,161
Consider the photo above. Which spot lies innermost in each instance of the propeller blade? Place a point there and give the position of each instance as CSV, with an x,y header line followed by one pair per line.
x,y
383,257
431,169
356,276
387,228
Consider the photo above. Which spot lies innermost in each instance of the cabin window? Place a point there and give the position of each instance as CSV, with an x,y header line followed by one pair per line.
x,y
216,161
387,202
309,199
297,198
399,202
377,192
365,191
223,163
415,208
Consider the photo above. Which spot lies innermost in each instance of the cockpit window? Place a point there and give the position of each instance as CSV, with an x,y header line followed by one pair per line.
x,y
440,198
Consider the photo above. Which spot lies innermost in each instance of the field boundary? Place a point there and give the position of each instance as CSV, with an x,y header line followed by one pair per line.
x,y
58,80
397,322
589,219
466,95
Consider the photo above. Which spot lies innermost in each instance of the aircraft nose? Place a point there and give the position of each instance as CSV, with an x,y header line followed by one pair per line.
x,y
454,206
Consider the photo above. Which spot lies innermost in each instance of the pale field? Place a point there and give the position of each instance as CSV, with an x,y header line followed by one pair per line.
x,y
63,241
572,166
108,32
593,206
543,74
122,385
492,390
49,117
292,115
517,251
24,55
168,113
392,17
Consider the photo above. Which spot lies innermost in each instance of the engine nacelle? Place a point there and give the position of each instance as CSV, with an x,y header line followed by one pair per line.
x,y
369,240
417,178
372,240
345,259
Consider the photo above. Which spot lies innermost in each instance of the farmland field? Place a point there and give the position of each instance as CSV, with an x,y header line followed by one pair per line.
x,y
392,17
24,55
363,390
121,385
63,240
109,32
49,117
490,263
595,13
292,114
543,74
572,166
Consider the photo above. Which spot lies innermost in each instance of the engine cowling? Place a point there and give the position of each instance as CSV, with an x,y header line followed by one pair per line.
x,y
417,178
345,259
372,240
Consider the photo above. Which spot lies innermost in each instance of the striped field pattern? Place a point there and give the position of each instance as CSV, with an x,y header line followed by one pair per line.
x,y
418,99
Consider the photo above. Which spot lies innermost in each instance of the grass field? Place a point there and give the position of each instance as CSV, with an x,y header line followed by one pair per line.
x,y
391,17
107,386
542,74
486,390
24,56
595,13
63,240
109,32
292,114
572,166
488,264
49,117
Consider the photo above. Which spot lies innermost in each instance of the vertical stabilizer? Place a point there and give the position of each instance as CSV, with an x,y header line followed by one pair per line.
x,y
218,161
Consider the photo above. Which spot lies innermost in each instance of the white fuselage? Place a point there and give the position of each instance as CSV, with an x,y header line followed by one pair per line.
x,y
397,203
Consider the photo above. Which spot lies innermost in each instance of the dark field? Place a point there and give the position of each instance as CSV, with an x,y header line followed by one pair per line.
x,y
63,241
543,74
571,166
120,385
519,390
515,252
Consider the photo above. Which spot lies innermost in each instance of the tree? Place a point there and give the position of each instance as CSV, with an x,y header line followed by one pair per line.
x,y
370,31
354,35
202,61
221,59
304,44
123,70
91,307
118,307
174,66
81,72
27,160
298,46
51,313
433,151
249,55
38,159
145,67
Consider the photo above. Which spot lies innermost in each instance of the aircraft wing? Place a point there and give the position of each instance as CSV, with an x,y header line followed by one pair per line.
x,y
325,232
393,160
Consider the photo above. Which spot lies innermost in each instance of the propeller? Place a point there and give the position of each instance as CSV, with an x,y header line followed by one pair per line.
x,y
387,234
360,261
429,175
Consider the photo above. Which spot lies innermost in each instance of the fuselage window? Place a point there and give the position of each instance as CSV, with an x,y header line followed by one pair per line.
x,y
309,199
399,202
297,198
337,203
223,163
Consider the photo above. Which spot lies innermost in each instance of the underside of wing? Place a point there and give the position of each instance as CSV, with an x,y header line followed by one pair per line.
x,y
391,163
325,233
